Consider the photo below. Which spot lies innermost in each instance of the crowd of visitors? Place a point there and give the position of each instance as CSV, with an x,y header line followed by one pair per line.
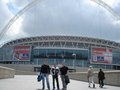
x,y
55,71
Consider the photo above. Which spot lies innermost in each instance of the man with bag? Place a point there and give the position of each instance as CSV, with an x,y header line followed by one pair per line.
x,y
101,77
64,76
45,71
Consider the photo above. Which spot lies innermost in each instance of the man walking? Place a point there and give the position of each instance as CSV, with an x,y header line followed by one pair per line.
x,y
55,73
45,71
90,76
101,77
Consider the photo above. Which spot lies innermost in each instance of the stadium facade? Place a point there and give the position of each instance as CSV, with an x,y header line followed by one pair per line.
x,y
74,51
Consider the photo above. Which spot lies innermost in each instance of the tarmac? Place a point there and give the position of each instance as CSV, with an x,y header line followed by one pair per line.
x,y
29,82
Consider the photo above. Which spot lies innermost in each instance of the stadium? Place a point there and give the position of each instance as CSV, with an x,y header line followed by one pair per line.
x,y
75,51
78,33
58,32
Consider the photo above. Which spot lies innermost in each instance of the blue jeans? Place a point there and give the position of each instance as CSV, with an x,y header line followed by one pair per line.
x,y
45,76
63,82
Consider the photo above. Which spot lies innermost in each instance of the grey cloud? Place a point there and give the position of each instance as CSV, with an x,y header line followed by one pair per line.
x,y
5,15
68,17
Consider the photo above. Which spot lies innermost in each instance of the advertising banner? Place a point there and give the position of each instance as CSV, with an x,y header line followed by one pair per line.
x,y
101,55
22,53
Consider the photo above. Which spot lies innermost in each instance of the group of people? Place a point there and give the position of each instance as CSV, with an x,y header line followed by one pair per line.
x,y
55,71
90,76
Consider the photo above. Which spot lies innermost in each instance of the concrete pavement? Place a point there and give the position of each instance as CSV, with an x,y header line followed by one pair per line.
x,y
29,82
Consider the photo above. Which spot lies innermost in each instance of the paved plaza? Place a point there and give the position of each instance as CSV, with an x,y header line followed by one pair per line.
x,y
29,82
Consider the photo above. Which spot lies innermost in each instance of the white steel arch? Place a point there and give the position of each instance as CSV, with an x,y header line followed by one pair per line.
x,y
107,7
6,28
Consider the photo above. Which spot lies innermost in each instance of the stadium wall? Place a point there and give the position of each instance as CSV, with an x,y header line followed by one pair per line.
x,y
74,51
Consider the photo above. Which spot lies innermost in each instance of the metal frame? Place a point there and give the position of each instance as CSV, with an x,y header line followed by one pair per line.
x,y
63,41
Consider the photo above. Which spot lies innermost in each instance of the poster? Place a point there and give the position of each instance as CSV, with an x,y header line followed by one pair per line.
x,y
22,52
101,55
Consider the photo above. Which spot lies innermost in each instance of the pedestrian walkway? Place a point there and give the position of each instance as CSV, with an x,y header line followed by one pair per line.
x,y
29,82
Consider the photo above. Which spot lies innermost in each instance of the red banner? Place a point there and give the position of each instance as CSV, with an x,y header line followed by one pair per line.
x,y
22,52
101,55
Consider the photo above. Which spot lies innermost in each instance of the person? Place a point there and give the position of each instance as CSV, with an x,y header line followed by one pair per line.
x,y
45,71
64,71
90,76
101,77
55,73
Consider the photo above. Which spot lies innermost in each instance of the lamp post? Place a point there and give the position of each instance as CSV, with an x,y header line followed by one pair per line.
x,y
47,56
55,58
63,58
74,60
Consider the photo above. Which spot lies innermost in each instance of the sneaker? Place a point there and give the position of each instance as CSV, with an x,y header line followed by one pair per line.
x,y
43,88
53,89
64,88
101,86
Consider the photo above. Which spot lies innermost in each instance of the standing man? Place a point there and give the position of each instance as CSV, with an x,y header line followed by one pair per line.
x,y
90,76
101,77
55,73
64,71
45,71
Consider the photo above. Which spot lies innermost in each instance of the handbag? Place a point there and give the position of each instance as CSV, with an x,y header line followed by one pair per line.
x,y
104,77
39,78
67,80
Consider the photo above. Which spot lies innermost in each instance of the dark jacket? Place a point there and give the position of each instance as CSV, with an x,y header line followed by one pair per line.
x,y
45,69
101,75
63,70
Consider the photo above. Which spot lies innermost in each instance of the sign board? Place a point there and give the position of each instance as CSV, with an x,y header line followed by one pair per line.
x,y
101,55
22,53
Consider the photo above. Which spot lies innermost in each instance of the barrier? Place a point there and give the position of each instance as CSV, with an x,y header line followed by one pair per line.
x,y
6,72
111,77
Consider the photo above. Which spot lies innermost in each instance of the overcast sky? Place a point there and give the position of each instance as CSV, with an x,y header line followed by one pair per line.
x,y
61,17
